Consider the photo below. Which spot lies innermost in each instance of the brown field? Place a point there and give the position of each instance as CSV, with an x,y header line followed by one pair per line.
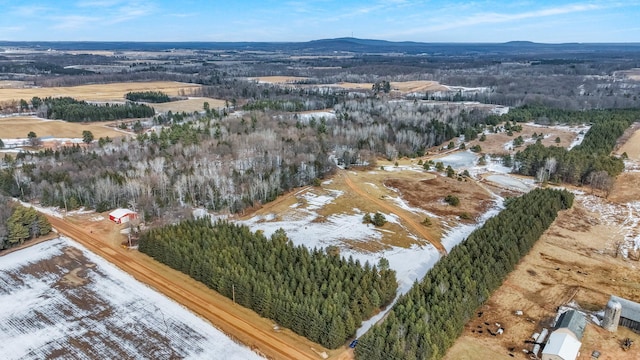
x,y
189,105
631,146
278,79
403,86
98,92
19,127
575,260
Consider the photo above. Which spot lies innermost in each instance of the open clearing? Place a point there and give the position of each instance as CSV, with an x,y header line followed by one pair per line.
x,y
402,86
61,301
574,262
278,79
190,105
19,126
97,92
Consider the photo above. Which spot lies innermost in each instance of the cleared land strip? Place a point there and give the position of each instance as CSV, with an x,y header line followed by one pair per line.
x,y
267,343
407,220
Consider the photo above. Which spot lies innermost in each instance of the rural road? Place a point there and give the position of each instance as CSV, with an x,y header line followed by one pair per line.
x,y
221,314
419,228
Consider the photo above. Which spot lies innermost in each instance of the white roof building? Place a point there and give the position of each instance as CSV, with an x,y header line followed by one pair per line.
x,y
561,346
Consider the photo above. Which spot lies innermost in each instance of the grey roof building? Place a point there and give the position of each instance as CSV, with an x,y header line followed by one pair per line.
x,y
564,343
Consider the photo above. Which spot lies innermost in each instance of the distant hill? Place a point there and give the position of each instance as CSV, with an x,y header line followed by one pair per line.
x,y
347,44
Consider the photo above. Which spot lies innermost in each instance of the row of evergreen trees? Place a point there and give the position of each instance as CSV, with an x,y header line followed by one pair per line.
x,y
426,321
19,223
72,110
148,96
322,297
592,156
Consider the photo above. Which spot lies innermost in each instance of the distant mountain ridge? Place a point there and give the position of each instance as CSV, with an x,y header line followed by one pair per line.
x,y
345,44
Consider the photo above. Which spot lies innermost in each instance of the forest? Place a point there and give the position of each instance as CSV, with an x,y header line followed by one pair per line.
x,y
320,296
148,96
72,110
229,163
426,321
589,163
19,223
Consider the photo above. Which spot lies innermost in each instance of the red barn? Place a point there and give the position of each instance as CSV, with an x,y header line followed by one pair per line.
x,y
120,216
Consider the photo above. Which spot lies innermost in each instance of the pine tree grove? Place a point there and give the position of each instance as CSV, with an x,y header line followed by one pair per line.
x,y
322,297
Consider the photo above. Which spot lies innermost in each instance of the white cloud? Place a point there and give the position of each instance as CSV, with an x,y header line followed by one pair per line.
x,y
73,21
495,18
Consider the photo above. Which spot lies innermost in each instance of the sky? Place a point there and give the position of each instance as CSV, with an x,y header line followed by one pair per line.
x,y
545,21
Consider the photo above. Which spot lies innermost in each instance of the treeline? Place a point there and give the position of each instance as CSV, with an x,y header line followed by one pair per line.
x,y
72,110
588,163
426,321
19,223
148,96
322,297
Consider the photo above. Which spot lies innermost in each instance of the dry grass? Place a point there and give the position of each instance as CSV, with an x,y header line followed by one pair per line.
x,y
99,92
632,147
403,86
19,127
495,142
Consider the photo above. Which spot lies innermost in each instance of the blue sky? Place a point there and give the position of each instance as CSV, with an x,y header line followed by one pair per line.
x,y
270,20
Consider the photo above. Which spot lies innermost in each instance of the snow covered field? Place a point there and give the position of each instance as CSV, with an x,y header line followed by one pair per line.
x,y
61,301
459,160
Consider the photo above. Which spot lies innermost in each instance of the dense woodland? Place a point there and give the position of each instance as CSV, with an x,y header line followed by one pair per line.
x,y
148,96
322,297
72,110
19,223
426,321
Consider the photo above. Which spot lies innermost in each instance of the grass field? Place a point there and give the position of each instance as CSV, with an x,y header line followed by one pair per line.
x,y
98,92
19,127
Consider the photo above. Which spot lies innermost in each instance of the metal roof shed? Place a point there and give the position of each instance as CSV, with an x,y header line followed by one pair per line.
x,y
561,346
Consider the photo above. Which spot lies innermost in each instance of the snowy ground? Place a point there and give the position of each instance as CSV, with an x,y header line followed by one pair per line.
x,y
410,264
624,217
61,301
459,160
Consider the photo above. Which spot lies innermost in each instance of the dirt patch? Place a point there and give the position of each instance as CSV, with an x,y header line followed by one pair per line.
x,y
19,127
98,92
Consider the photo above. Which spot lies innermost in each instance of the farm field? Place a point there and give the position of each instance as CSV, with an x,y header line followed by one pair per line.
x,y
574,262
402,86
62,301
98,92
18,127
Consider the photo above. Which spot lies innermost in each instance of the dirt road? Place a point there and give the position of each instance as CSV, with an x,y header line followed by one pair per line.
x,y
267,343
398,212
